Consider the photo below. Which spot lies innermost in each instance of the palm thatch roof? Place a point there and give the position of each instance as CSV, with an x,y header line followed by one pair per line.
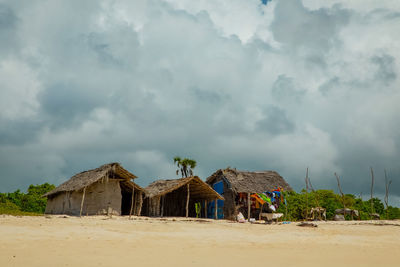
x,y
198,188
86,178
250,182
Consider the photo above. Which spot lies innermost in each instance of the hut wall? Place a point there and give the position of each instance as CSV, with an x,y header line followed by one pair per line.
x,y
229,204
138,203
154,206
175,203
103,197
58,204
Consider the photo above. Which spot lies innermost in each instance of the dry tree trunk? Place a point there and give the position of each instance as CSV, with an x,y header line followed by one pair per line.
x,y
387,185
310,186
341,192
372,190
306,194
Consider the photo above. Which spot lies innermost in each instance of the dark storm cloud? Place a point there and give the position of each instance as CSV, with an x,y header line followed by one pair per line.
x,y
276,121
356,162
208,96
8,27
66,104
284,88
19,132
386,68
329,85
316,30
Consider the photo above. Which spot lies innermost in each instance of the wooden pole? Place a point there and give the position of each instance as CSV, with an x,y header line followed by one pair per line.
x,y
187,200
83,199
205,209
140,203
148,207
248,206
286,214
132,203
158,211
162,206
216,209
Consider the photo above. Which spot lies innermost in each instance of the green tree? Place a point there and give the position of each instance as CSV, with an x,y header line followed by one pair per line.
x,y
185,166
393,213
297,202
15,197
32,201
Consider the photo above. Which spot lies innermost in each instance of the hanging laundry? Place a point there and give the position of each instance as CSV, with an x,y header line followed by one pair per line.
x,y
265,198
258,199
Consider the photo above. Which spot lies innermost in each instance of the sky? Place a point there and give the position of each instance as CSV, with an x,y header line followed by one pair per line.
x,y
279,86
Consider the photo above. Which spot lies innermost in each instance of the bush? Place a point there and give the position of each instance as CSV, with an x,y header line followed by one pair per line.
x,y
32,201
297,205
393,213
10,208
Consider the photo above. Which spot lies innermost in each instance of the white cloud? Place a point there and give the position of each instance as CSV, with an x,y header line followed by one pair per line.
x,y
245,19
19,89
363,6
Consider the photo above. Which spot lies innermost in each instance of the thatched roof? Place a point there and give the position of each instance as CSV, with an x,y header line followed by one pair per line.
x,y
86,178
197,188
250,182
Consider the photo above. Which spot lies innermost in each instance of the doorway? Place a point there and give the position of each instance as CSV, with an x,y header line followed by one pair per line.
x,y
126,200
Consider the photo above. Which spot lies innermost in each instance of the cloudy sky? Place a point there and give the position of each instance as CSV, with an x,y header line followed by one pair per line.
x,y
283,86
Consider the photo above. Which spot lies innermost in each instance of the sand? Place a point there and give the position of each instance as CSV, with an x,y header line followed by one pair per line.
x,y
118,241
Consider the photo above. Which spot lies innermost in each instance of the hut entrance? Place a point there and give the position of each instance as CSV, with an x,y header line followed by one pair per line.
x,y
126,200
219,188
185,197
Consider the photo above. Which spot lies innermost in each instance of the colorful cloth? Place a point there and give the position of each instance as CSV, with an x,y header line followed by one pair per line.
x,y
258,198
265,198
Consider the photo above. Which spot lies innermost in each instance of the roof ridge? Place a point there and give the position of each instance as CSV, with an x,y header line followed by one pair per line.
x,y
86,178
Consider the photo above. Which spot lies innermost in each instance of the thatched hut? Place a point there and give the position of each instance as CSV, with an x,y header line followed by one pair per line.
x,y
233,184
108,189
185,197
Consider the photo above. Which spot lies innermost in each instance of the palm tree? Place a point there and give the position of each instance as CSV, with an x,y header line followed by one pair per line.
x,y
185,166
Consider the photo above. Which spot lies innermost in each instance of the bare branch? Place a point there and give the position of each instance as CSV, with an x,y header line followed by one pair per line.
x,y
338,182
306,193
341,192
387,186
372,190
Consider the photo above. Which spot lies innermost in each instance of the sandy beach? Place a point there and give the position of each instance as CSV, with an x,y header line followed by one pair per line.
x,y
118,241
